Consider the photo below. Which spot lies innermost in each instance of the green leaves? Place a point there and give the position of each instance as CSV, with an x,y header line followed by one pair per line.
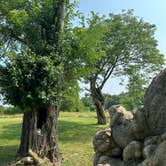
x,y
32,72
29,80
111,46
39,61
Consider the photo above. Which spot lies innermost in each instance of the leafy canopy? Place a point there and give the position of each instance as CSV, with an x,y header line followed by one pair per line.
x,y
113,46
33,61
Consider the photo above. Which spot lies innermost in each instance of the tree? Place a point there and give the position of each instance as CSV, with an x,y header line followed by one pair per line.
x,y
115,45
136,89
88,103
71,101
32,69
124,99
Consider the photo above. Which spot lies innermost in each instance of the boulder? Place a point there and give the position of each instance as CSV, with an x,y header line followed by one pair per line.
x,y
122,135
157,158
120,124
138,125
151,144
148,151
119,115
155,105
105,160
102,141
105,147
133,151
108,161
153,140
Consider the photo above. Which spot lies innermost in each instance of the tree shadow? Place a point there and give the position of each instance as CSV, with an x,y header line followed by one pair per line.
x,y
69,132
7,154
11,132
10,135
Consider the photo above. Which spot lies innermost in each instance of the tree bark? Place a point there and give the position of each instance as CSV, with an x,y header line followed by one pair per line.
x,y
98,100
39,134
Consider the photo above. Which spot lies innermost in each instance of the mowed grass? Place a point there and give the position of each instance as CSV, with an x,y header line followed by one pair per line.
x,y
76,131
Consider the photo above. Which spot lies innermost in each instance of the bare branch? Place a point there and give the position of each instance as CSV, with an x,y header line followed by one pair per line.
x,y
108,73
87,89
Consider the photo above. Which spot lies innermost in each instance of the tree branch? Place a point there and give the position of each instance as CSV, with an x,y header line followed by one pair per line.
x,y
108,73
12,35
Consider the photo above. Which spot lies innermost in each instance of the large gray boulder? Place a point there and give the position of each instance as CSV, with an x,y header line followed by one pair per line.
x,y
133,151
119,116
122,135
155,105
102,141
139,126
120,124
157,158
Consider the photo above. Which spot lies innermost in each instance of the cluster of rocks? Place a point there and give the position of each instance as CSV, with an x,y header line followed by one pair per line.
x,y
137,139
31,160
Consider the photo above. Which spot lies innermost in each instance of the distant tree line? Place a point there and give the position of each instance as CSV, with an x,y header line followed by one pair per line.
x,y
75,103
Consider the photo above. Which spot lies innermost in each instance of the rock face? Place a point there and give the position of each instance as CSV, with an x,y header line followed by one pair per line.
x,y
139,139
132,151
155,105
121,126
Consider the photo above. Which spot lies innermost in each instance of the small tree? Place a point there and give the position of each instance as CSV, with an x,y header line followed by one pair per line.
x,y
115,45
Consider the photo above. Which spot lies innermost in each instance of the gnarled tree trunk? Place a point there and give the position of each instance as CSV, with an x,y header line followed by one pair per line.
x,y
39,134
39,129
98,100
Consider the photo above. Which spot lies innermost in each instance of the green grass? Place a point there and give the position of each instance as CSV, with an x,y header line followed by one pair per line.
x,y
76,131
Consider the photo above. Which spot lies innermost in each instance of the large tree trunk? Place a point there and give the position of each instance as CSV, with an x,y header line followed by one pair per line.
x,y
98,100
39,129
39,134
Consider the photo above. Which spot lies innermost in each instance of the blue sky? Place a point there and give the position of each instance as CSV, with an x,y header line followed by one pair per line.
x,y
153,11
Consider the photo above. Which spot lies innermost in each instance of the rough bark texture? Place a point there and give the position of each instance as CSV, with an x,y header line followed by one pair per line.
x,y
98,100
26,129
142,137
99,104
39,134
60,8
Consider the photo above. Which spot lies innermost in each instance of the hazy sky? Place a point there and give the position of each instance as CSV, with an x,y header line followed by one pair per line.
x,y
153,11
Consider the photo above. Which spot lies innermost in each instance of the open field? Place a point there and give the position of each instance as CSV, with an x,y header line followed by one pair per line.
x,y
76,131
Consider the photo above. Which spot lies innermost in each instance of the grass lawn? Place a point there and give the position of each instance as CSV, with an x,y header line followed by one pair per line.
x,y
76,131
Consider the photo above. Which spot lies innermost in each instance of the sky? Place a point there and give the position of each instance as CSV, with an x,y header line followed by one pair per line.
x,y
153,11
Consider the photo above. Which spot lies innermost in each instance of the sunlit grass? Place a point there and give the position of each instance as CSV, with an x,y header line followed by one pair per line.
x,y
76,131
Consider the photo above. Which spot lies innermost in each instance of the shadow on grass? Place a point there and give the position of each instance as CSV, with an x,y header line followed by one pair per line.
x,y
75,132
7,154
69,132
11,132
10,135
